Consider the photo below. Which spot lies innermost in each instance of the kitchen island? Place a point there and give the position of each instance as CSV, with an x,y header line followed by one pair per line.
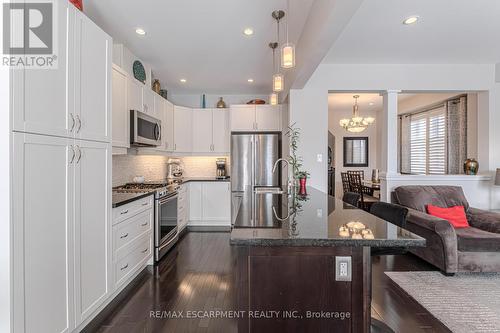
x,y
309,268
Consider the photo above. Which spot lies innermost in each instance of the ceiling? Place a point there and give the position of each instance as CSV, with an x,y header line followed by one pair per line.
x,y
449,31
201,41
345,101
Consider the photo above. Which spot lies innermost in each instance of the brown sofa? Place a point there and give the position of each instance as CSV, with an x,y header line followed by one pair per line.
x,y
473,249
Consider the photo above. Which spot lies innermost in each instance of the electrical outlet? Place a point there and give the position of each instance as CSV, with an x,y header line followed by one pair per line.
x,y
343,269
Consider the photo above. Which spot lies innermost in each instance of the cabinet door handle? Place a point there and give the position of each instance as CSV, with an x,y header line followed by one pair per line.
x,y
73,155
73,123
144,224
175,146
124,236
79,154
144,251
124,212
145,203
79,124
124,267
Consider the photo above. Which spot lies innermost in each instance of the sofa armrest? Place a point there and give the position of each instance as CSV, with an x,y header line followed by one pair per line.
x,y
484,220
439,233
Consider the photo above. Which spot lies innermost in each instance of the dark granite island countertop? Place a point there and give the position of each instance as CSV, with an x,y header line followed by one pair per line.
x,y
317,221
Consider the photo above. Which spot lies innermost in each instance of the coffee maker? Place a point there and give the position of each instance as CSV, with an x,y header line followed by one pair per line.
x,y
221,168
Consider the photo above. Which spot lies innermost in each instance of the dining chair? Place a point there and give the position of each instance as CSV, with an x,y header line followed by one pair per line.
x,y
351,198
366,200
366,189
345,182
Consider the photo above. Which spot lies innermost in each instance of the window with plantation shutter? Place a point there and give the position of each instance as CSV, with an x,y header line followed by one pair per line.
x,y
428,142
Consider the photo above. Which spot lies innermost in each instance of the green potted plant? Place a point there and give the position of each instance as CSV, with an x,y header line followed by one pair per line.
x,y
295,161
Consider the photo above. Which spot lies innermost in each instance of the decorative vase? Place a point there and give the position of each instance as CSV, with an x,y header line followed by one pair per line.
x,y
471,166
203,102
221,104
302,188
156,86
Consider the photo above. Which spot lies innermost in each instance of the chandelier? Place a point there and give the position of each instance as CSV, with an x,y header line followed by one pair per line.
x,y
356,124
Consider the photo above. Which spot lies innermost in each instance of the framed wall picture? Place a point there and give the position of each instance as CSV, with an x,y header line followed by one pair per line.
x,y
356,151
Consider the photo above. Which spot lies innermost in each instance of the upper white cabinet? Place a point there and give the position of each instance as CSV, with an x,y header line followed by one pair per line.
x,y
183,139
168,126
148,100
268,117
74,99
249,118
210,131
134,94
221,131
93,102
202,130
121,118
242,117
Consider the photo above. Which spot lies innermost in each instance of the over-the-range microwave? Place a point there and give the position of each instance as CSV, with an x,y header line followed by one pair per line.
x,y
144,130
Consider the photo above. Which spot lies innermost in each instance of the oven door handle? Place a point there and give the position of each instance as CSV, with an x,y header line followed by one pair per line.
x,y
165,200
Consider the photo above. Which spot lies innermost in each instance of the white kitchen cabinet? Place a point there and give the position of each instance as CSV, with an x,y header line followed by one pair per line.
x,y
159,107
168,126
268,117
148,98
202,131
195,201
183,207
121,115
92,226
42,98
93,100
221,131
209,204
43,190
216,202
183,139
242,117
134,94
249,118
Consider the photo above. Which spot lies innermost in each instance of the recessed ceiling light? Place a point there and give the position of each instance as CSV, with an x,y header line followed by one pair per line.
x,y
411,20
183,80
371,103
248,31
250,80
140,31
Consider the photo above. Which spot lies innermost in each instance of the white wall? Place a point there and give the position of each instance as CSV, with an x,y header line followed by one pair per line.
x,y
309,106
334,116
194,100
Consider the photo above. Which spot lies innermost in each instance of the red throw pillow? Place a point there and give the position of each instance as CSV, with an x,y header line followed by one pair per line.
x,y
455,215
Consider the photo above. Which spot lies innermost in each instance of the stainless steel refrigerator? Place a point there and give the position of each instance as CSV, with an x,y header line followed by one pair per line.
x,y
252,160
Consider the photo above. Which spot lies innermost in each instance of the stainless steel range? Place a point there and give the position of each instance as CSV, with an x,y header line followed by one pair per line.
x,y
165,227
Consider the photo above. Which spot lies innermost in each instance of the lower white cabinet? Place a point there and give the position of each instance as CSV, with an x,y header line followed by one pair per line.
x,y
209,203
132,236
183,207
61,231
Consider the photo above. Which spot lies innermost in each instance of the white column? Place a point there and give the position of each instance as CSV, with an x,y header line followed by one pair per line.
x,y
389,145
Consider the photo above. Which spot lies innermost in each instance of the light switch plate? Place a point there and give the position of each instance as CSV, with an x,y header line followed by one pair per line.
x,y
319,158
343,269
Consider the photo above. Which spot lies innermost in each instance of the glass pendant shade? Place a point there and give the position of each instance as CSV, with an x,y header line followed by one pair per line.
x,y
288,56
278,82
273,99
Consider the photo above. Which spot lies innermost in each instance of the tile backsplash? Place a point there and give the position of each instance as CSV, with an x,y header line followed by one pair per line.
x,y
152,167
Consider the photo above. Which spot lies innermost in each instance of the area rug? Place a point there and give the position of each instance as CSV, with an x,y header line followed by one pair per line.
x,y
464,302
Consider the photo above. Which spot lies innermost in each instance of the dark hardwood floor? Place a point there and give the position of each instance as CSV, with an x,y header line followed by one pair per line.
x,y
198,273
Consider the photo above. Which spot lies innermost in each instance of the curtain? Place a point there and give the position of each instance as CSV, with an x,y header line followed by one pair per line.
x,y
456,125
405,138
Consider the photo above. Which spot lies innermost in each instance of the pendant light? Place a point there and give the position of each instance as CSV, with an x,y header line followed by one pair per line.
x,y
288,49
273,98
278,79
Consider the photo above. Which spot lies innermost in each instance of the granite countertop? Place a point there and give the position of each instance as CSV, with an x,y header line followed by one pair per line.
x,y
315,220
120,198
204,179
